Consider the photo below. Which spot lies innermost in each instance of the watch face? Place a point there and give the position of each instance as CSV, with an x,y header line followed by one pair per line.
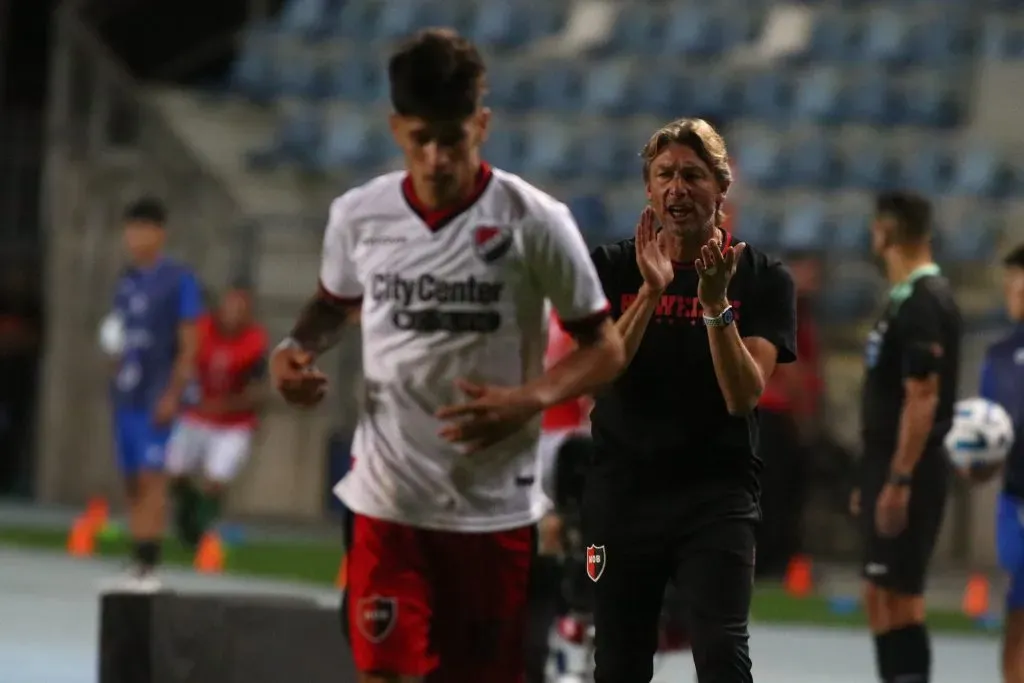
x,y
727,316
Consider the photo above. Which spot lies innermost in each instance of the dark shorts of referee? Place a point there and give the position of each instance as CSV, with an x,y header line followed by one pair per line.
x,y
900,564
704,546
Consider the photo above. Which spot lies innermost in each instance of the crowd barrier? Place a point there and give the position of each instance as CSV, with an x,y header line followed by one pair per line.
x,y
171,637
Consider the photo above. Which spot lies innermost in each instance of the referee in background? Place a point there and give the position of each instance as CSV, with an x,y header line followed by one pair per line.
x,y
912,360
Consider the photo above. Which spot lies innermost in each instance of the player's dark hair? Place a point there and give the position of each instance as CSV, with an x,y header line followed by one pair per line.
x,y
1015,259
703,139
146,210
436,75
911,212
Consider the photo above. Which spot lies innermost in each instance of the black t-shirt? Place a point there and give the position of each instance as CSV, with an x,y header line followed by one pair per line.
x,y
912,339
666,414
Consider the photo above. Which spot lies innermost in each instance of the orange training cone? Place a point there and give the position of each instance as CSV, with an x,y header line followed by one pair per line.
x,y
976,596
97,511
210,555
342,579
799,582
82,538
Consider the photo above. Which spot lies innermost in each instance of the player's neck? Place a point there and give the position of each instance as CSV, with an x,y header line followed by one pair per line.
x,y
426,197
900,264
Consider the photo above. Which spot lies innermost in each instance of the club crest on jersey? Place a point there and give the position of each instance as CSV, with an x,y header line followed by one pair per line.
x,y
376,617
491,242
596,562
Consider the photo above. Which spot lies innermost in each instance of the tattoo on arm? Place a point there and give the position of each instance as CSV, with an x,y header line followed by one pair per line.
x,y
319,325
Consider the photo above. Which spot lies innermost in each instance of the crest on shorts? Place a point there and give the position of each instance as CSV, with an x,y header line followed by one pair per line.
x,y
376,617
596,561
491,242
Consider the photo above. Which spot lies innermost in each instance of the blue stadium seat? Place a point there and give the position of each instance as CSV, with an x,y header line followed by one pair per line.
x,y
610,88
510,88
612,158
638,30
304,18
715,96
814,163
693,30
946,41
299,76
975,242
768,95
352,141
805,227
873,100
356,79
624,212
401,18
887,37
296,138
981,171
559,86
757,225
851,235
870,167
835,37
552,151
927,169
821,97
933,102
762,162
1001,40
252,74
664,93
356,20
592,216
501,23
505,148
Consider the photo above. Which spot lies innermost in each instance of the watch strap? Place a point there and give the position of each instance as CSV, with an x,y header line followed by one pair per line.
x,y
720,320
897,479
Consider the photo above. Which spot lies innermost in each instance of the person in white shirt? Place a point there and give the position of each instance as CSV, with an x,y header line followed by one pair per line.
x,y
448,266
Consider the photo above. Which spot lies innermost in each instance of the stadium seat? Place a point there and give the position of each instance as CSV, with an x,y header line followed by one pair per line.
x,y
252,74
805,227
975,242
716,96
932,101
926,169
851,236
591,215
873,100
757,225
762,163
887,36
945,41
849,298
503,24
638,30
693,30
814,163
299,76
551,151
356,79
401,18
663,92
559,86
511,88
306,19
1001,40
355,20
835,37
505,148
296,139
870,167
820,96
980,171
768,95
611,158
609,88
353,140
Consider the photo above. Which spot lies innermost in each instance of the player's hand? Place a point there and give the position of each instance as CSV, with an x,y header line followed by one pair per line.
x,y
655,266
716,268
492,414
855,502
296,379
891,510
166,409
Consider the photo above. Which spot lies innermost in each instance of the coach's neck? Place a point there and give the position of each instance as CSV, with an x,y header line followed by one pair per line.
x,y
683,246
901,261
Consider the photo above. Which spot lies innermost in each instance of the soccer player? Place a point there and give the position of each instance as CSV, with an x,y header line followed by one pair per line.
x,y
157,303
214,436
449,264
912,360
673,493
1002,381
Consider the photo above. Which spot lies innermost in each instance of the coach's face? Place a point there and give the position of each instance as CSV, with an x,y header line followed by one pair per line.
x,y
682,190
144,241
442,157
1013,287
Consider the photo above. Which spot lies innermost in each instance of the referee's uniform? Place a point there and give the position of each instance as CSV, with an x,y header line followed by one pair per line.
x,y
917,335
673,492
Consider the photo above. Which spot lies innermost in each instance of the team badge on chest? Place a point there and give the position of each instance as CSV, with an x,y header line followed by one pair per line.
x,y
491,242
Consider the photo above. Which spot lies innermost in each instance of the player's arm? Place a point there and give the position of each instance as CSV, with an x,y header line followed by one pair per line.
x,y
919,319
190,308
560,263
745,355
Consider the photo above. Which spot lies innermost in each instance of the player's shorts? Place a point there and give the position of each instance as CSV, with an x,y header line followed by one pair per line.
x,y
900,564
141,445
217,452
1010,546
449,604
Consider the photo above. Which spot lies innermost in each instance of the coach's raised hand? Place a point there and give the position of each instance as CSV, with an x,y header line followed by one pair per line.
x,y
655,266
294,376
491,414
716,268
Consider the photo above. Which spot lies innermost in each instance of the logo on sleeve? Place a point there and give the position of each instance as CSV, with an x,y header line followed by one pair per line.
x,y
491,242
376,617
596,561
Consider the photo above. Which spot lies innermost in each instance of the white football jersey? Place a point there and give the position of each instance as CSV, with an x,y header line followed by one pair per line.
x,y
450,295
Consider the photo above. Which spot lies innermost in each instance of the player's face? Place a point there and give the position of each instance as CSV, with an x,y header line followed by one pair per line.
x,y
234,309
144,241
441,156
1013,287
682,190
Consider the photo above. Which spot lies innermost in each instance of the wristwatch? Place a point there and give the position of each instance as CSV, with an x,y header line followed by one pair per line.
x,y
897,479
723,319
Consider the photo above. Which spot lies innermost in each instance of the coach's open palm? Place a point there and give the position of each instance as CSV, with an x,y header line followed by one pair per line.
x,y
655,266
716,268
296,379
491,414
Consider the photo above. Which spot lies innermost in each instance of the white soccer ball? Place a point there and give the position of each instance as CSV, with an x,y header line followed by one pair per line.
x,y
982,434
111,335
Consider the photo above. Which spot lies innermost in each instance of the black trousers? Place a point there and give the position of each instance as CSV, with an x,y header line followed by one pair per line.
x,y
703,542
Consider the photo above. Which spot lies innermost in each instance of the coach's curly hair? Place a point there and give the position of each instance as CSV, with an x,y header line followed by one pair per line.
x,y
437,75
702,138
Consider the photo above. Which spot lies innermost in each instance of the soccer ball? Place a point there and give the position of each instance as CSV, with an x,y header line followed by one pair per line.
x,y
111,335
982,434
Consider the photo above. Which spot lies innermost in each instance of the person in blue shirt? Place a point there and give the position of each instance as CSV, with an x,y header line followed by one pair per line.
x,y
1002,381
156,303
